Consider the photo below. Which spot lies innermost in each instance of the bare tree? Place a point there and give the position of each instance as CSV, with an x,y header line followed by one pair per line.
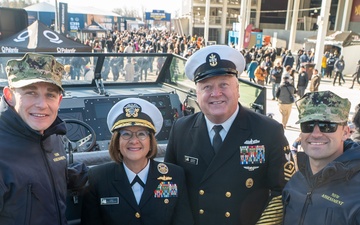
x,y
126,12
16,3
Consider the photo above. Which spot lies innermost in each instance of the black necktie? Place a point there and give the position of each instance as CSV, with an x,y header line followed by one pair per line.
x,y
217,141
137,179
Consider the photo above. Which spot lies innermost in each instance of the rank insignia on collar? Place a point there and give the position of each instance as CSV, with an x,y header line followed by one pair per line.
x,y
164,178
162,168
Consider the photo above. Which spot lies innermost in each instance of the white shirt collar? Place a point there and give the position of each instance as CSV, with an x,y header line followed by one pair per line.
x,y
143,174
226,125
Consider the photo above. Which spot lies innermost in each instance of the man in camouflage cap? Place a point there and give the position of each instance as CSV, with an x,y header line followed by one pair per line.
x,y
34,68
32,156
323,106
329,175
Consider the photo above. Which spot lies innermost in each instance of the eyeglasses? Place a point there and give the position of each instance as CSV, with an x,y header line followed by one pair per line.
x,y
325,127
127,135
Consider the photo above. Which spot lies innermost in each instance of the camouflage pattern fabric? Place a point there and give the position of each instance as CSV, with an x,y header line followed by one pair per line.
x,y
34,68
323,106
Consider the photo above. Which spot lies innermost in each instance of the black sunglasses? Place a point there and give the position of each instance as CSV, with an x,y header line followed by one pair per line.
x,y
325,127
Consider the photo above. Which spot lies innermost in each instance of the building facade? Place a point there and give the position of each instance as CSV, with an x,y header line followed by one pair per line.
x,y
219,16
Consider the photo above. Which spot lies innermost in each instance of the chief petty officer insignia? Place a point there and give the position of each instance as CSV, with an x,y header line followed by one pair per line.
x,y
132,110
213,58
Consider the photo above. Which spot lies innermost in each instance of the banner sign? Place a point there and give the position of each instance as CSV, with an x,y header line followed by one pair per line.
x,y
355,11
159,15
63,15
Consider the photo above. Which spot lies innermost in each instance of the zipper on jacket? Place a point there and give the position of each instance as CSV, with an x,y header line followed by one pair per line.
x,y
28,204
306,205
52,182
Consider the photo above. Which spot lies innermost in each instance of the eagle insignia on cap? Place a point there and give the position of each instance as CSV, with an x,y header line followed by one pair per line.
x,y
213,59
132,110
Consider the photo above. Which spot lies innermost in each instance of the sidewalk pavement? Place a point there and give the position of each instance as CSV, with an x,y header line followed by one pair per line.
x,y
293,130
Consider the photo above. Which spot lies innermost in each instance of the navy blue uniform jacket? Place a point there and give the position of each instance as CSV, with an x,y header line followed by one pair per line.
x,y
235,185
110,199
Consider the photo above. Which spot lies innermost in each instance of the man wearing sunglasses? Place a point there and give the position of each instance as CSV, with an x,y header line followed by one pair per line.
x,y
325,190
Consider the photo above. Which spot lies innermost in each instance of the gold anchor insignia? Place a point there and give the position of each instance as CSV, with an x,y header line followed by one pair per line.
x,y
164,178
132,110
212,60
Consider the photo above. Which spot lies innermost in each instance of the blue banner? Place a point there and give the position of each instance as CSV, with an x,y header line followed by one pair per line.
x,y
159,15
63,17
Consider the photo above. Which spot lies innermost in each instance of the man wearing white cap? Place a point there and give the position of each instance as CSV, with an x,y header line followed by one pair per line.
x,y
134,189
234,158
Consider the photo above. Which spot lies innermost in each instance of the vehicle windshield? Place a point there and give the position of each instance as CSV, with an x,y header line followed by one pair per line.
x,y
101,70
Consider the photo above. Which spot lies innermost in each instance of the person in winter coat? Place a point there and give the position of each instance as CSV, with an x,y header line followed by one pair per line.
x,y
356,75
330,65
129,70
288,60
315,81
325,190
323,63
339,67
251,69
260,74
33,163
285,95
275,79
303,81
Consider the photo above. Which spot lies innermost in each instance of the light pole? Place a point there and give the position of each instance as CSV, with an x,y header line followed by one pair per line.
x,y
56,17
322,22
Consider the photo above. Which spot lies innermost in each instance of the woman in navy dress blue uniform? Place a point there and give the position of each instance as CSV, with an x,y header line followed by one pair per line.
x,y
135,189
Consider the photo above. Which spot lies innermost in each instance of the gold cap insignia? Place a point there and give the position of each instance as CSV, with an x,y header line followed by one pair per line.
x,y
132,110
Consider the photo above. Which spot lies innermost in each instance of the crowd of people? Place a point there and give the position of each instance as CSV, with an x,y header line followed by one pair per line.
x,y
223,165
146,41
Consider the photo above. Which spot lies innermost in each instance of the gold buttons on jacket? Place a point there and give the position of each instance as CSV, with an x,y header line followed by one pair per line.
x,y
166,201
228,194
201,211
137,215
249,183
227,214
201,192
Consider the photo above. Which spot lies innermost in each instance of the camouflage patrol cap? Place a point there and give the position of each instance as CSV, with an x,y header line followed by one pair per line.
x,y
34,68
323,106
